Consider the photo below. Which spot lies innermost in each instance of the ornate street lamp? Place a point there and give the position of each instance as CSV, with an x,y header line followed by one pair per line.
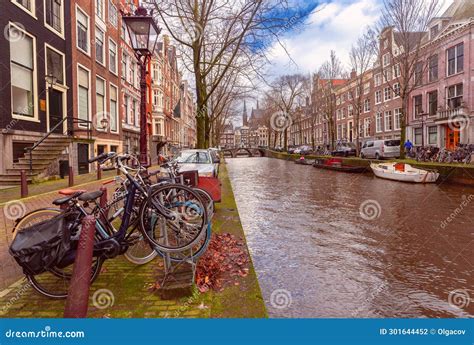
x,y
143,32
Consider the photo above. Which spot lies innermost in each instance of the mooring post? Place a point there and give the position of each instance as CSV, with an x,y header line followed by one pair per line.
x,y
78,294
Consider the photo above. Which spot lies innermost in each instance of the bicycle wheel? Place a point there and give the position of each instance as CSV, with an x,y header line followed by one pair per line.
x,y
208,201
184,224
34,217
140,252
55,282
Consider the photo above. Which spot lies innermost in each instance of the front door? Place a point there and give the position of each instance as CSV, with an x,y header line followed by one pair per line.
x,y
452,137
83,158
55,103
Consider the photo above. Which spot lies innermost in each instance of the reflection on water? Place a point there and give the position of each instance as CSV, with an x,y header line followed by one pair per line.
x,y
330,244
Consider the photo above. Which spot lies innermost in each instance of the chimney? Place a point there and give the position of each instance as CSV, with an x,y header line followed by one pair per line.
x,y
353,74
166,43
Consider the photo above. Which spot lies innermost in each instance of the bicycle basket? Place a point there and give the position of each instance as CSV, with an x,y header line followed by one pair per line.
x,y
40,246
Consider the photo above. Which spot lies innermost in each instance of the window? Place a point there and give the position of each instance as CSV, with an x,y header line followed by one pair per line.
x,y
99,9
83,93
155,73
54,14
366,127
99,46
418,73
23,69
100,103
455,59
388,121
433,68
82,31
367,105
432,135
396,71
350,111
338,114
112,56
434,31
366,88
113,109
55,65
133,119
349,95
113,14
418,104
28,5
396,90
386,60
455,94
387,94
378,122
124,65
418,136
378,97
387,75
378,79
433,102
343,113
397,114
156,97
125,109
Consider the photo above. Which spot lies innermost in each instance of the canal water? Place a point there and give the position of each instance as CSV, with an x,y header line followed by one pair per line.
x,y
329,244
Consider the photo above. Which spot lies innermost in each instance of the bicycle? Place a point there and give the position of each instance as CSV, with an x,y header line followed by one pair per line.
x,y
176,208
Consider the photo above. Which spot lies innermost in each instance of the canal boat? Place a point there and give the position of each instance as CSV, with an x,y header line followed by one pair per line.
x,y
304,161
337,164
403,172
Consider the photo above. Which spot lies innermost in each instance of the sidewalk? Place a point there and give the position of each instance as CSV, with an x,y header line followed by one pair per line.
x,y
125,287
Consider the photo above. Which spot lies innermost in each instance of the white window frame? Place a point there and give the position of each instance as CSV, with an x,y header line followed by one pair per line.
x,y
455,47
379,115
378,96
117,111
367,127
89,91
34,118
104,111
388,112
104,46
31,12
386,59
387,94
378,79
116,56
88,52
60,34
395,95
397,114
101,20
366,108
112,5
46,47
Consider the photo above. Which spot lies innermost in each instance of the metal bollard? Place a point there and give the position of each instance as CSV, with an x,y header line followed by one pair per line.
x,y
24,184
71,177
103,200
78,294
99,172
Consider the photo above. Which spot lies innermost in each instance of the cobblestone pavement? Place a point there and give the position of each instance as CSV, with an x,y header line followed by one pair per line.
x,y
124,289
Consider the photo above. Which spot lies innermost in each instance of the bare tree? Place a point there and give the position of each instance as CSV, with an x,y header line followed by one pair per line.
x,y
328,75
287,91
213,34
361,61
398,41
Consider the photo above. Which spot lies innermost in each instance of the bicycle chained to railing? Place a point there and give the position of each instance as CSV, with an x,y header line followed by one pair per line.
x,y
171,219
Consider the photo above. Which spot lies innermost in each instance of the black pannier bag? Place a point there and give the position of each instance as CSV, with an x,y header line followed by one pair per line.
x,y
41,246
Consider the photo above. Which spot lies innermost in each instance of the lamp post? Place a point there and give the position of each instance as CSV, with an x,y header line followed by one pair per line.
x,y
143,33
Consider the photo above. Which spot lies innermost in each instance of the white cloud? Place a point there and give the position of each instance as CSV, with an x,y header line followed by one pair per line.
x,y
335,26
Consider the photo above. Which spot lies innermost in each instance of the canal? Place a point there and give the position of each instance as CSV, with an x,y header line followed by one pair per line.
x,y
329,244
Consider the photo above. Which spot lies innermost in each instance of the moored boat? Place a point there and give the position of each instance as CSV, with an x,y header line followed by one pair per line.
x,y
304,161
337,164
404,172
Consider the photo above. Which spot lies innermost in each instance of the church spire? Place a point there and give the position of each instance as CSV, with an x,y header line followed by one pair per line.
x,y
245,120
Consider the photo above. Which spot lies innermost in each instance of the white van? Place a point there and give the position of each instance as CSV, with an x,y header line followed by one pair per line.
x,y
379,149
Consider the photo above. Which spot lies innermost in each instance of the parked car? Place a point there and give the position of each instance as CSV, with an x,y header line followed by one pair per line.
x,y
203,161
303,150
344,149
379,149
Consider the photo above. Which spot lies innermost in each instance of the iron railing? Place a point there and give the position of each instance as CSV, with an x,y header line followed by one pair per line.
x,y
69,132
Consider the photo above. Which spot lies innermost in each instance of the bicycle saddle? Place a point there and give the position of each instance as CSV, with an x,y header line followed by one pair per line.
x,y
69,191
65,199
91,195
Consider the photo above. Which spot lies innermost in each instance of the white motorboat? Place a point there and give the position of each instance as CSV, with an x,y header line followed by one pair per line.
x,y
403,172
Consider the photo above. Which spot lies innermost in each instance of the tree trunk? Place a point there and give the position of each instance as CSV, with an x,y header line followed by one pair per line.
x,y
403,129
